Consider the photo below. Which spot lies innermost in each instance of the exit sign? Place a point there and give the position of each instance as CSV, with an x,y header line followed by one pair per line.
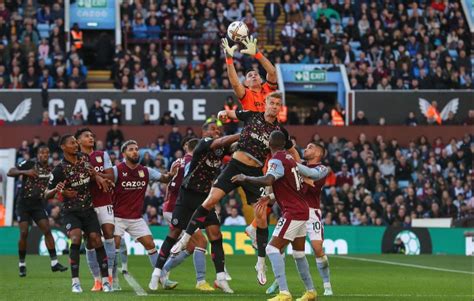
x,y
92,3
310,76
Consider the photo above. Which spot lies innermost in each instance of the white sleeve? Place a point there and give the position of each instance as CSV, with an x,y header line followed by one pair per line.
x,y
314,173
154,174
275,168
107,162
115,170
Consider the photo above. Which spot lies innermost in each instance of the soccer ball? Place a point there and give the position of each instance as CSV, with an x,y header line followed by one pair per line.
x,y
237,31
60,241
411,242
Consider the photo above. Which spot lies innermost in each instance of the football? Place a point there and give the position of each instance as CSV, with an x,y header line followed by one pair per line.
x,y
237,31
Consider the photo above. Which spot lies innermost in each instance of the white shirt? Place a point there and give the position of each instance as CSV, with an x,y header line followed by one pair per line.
x,y
235,221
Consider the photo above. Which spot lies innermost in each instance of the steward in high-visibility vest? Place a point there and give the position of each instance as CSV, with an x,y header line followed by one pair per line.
x,y
337,118
433,114
76,36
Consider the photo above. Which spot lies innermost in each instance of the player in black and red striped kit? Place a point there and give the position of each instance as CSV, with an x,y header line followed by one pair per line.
x,y
204,168
249,158
35,173
72,178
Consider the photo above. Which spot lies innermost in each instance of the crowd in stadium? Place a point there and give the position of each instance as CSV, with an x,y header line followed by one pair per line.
x,y
373,182
175,45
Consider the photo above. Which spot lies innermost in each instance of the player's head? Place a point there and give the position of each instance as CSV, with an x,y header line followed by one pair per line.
x,y
129,151
68,144
85,137
43,154
189,144
273,103
253,79
277,140
211,129
314,151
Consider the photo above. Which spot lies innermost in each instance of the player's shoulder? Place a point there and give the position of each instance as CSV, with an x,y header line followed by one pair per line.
x,y
282,156
27,163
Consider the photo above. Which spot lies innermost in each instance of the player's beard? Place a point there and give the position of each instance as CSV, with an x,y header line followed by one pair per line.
x,y
133,160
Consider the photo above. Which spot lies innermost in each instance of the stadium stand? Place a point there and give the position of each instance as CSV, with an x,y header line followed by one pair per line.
x,y
384,44
372,182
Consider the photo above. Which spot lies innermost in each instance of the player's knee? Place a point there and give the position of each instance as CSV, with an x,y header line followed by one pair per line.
x,y
174,233
298,254
271,250
23,234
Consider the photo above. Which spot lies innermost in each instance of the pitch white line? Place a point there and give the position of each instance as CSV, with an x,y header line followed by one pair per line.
x,y
226,296
135,285
406,265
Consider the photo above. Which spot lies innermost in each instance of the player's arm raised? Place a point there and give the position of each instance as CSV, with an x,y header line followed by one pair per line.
x,y
226,114
251,49
314,173
239,89
224,141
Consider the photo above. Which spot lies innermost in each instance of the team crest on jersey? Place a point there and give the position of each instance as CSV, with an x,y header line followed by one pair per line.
x,y
141,174
98,159
218,152
174,221
124,174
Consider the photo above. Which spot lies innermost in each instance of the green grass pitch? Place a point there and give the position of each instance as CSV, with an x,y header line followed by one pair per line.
x,y
351,279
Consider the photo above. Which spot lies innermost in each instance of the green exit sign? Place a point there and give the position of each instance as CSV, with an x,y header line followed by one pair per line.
x,y
92,3
311,76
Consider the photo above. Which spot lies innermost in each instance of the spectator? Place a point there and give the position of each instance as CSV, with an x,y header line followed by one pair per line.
x,y
344,177
411,119
115,113
272,12
174,139
360,119
167,119
45,120
114,136
96,114
235,219
61,120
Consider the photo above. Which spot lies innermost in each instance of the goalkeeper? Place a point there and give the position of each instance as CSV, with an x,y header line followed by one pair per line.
x,y
253,91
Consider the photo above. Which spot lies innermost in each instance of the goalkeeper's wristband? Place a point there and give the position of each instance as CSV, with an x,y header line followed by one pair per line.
x,y
229,61
258,55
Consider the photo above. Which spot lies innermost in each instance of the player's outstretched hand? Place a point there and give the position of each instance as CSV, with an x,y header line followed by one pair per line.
x,y
229,51
250,44
105,185
222,115
238,178
31,173
60,186
261,205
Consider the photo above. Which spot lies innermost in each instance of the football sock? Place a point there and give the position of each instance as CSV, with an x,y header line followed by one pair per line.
x,y
303,269
278,267
53,256
109,245
22,256
74,258
323,267
217,255
164,252
174,261
262,240
153,256
123,254
102,261
92,263
199,258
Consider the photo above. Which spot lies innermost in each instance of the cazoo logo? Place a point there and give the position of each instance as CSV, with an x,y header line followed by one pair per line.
x,y
133,184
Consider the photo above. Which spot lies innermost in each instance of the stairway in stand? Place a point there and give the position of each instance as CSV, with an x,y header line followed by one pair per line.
x,y
262,35
99,79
